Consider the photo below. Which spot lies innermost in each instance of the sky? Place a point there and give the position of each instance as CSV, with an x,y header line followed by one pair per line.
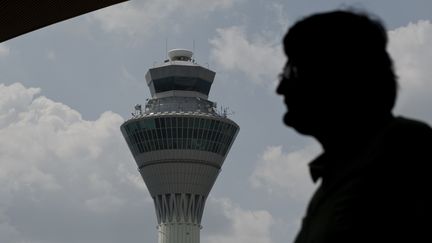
x,y
66,174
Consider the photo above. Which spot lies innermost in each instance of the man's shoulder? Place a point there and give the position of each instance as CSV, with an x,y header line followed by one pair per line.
x,y
401,150
404,123
407,132
404,150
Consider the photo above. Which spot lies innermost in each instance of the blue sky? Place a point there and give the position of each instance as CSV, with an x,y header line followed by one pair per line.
x,y
66,173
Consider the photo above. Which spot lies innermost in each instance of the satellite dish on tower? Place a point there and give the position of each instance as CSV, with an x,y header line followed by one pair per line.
x,y
180,55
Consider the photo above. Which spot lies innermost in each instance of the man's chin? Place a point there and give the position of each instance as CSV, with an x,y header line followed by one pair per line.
x,y
300,125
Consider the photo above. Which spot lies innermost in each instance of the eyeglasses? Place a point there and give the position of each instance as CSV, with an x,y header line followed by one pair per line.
x,y
289,72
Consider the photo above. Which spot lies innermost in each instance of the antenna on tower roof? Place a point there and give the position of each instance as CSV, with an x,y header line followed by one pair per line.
x,y
193,46
193,50
166,48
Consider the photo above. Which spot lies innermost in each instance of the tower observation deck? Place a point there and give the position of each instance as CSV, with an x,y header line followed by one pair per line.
x,y
179,142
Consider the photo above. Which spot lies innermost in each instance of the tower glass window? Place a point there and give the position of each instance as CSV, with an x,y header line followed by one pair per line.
x,y
182,83
180,133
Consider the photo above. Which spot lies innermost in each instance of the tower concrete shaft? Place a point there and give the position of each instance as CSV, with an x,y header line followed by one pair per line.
x,y
179,142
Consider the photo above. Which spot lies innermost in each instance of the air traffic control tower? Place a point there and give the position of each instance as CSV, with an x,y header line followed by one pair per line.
x,y
179,141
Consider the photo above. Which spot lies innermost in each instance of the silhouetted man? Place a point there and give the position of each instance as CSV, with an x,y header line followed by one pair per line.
x,y
339,87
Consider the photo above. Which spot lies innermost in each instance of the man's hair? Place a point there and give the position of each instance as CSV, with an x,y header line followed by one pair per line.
x,y
348,49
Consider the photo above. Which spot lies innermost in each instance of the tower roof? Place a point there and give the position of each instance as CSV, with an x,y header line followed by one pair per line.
x,y
180,76
180,54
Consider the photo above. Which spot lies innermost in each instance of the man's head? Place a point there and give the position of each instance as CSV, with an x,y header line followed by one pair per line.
x,y
338,72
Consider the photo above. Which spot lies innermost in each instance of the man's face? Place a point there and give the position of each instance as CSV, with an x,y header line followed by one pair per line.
x,y
304,98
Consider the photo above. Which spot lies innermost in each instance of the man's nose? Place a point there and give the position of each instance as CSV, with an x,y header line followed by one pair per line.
x,y
281,86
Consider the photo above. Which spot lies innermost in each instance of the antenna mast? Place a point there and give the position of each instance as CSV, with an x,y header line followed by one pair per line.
x,y
193,46
166,48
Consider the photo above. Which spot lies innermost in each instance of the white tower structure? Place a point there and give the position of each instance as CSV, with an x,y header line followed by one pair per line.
x,y
179,142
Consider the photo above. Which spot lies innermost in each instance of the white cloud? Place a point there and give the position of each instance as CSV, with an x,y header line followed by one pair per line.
x,y
257,55
259,58
52,160
139,18
285,173
411,49
4,50
13,100
241,225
